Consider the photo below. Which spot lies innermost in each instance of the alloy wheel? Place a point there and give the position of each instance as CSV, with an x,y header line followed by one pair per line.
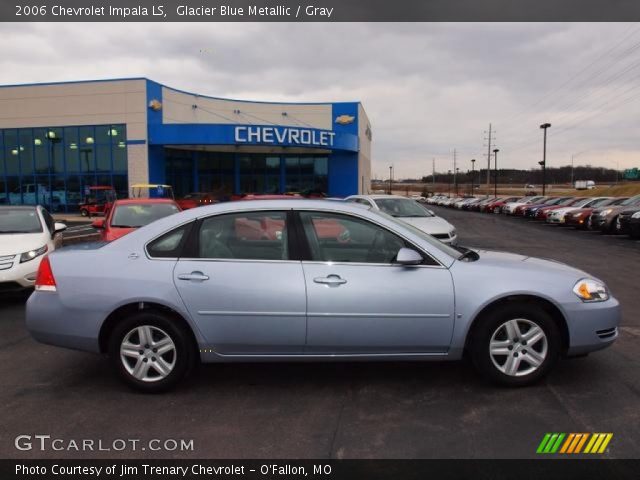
x,y
518,347
148,353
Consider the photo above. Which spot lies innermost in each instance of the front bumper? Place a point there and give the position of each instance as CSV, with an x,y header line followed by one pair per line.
x,y
592,326
23,274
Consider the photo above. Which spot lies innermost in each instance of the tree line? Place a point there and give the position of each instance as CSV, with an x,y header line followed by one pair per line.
x,y
533,176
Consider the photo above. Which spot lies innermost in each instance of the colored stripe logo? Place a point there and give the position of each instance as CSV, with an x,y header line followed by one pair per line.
x,y
573,443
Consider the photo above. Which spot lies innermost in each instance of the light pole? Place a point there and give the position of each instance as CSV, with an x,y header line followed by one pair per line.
x,y
495,176
448,183
473,174
543,163
390,177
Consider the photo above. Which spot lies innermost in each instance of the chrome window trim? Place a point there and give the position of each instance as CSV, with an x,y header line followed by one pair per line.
x,y
266,209
384,227
145,248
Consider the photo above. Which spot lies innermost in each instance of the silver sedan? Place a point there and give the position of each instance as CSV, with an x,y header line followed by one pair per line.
x,y
311,280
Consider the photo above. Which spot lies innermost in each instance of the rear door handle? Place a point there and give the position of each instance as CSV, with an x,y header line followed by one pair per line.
x,y
196,276
330,280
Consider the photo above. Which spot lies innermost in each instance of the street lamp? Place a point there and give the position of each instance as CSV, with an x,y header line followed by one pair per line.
x,y
495,176
473,174
448,183
543,163
390,177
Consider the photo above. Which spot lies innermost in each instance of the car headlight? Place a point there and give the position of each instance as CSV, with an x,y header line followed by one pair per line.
x,y
590,290
452,233
636,215
31,254
606,212
576,215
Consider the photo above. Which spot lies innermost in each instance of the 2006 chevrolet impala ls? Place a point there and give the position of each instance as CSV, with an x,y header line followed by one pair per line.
x,y
311,280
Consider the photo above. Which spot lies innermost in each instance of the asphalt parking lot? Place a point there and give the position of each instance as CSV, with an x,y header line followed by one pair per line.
x,y
343,410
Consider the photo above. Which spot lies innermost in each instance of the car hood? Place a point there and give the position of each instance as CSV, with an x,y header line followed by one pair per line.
x,y
527,264
13,243
562,211
115,233
430,225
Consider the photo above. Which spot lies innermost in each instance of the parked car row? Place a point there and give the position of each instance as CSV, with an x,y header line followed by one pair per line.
x,y
609,215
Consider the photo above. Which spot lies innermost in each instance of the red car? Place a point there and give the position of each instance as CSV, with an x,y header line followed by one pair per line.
x,y
196,199
496,206
98,201
580,218
127,215
542,213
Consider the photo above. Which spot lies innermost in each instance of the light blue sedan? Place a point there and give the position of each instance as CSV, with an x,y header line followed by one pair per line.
x,y
282,280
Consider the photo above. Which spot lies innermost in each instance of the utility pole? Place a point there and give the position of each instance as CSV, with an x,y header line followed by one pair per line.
x,y
390,177
495,183
433,174
455,172
489,159
571,171
473,174
449,184
543,163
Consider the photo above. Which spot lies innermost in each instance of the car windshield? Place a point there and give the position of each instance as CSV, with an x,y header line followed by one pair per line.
x,y
632,201
452,252
600,202
19,220
138,215
401,207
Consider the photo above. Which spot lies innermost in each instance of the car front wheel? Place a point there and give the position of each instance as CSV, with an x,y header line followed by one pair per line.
x,y
150,352
515,345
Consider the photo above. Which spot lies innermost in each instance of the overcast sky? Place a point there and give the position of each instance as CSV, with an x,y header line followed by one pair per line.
x,y
427,88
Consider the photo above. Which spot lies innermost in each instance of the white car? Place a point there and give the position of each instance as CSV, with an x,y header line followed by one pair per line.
x,y
27,234
410,212
557,215
510,207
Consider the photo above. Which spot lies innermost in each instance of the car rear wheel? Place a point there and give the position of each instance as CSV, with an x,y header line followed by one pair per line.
x,y
151,352
515,345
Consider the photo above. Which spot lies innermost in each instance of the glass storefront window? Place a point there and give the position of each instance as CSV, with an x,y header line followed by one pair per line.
x,y
119,152
43,165
11,151
103,158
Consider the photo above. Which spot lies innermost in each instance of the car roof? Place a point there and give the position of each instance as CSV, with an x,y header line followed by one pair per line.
x,y
19,207
380,196
132,201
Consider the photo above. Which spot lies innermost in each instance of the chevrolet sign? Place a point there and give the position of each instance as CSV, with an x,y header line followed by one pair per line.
x,y
284,136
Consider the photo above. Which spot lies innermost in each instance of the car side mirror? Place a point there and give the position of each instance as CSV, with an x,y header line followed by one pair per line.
x,y
59,227
408,256
98,223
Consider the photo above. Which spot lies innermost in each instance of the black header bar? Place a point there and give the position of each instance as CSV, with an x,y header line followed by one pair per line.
x,y
556,469
320,11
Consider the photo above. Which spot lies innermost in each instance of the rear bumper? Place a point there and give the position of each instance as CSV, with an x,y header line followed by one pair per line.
x,y
51,322
592,326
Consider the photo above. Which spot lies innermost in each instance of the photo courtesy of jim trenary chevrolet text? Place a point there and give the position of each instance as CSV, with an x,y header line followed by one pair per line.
x,y
322,239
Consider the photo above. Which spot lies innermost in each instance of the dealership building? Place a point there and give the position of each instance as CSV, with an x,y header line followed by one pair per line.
x,y
58,139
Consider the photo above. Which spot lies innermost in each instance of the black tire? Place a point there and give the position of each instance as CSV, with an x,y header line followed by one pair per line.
x,y
184,352
491,322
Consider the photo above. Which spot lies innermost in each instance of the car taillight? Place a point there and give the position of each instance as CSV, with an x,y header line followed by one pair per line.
x,y
45,280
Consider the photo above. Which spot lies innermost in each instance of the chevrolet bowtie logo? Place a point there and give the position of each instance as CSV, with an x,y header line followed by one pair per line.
x,y
345,119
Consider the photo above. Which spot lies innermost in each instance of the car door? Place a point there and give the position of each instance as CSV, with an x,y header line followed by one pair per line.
x,y
360,302
240,286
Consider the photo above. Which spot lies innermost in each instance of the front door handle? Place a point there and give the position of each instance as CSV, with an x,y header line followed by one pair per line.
x,y
196,276
330,280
